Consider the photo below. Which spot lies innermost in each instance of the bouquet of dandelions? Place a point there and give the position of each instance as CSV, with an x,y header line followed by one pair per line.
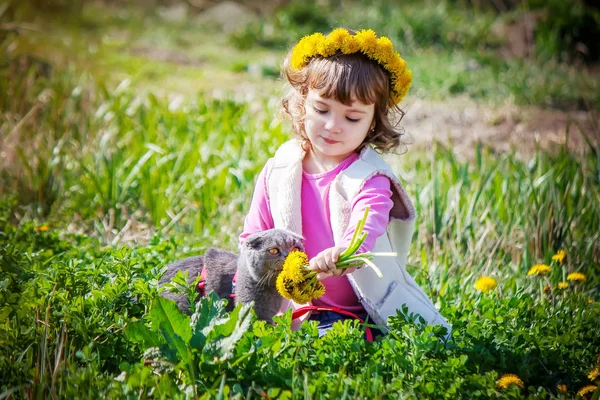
x,y
296,282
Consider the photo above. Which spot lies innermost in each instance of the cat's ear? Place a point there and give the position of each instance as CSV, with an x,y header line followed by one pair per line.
x,y
296,236
289,235
255,241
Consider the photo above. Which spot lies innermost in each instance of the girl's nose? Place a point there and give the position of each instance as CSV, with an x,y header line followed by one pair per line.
x,y
332,125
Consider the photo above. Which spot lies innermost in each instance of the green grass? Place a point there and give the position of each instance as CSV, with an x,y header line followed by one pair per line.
x,y
88,166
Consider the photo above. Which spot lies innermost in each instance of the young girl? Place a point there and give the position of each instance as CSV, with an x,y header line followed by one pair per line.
x,y
345,91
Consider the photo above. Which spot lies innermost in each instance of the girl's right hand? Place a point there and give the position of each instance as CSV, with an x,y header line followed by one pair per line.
x,y
324,263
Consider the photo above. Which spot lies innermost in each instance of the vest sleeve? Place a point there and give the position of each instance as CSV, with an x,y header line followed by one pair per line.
x,y
259,216
376,194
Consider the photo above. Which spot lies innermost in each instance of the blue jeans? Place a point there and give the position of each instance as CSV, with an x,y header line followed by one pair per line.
x,y
326,319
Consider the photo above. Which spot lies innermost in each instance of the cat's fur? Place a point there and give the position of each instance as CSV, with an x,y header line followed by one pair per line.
x,y
257,269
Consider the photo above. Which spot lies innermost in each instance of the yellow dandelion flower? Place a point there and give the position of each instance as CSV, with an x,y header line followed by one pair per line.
x,y
297,283
338,36
586,390
298,55
284,286
405,78
403,81
42,228
384,51
307,47
350,45
485,283
300,297
402,84
576,276
396,64
509,379
559,256
539,269
320,291
312,41
562,388
563,285
594,374
295,266
301,292
364,41
327,47
368,42
400,93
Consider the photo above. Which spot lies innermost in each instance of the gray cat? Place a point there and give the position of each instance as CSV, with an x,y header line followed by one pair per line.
x,y
260,260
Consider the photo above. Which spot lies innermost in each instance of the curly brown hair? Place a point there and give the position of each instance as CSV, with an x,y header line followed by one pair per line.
x,y
344,77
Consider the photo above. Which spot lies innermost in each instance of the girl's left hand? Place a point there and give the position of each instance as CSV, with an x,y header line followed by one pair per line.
x,y
324,263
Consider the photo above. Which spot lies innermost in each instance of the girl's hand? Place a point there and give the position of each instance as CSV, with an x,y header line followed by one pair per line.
x,y
324,263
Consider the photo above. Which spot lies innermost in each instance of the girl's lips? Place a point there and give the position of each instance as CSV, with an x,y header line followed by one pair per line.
x,y
329,141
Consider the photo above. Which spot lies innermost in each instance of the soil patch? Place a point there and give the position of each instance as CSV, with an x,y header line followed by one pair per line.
x,y
167,55
463,122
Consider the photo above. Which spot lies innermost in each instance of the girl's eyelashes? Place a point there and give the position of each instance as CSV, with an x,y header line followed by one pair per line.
x,y
319,111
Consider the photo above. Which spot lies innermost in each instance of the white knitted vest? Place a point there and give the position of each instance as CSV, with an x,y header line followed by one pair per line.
x,y
381,297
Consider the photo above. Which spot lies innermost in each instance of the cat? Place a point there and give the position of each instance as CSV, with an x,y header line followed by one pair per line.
x,y
260,260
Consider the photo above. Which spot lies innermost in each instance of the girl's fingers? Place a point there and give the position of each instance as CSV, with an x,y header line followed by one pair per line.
x,y
321,264
324,275
334,257
332,260
325,261
348,271
330,273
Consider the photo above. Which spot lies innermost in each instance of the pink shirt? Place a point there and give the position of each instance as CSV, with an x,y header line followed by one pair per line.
x,y
316,227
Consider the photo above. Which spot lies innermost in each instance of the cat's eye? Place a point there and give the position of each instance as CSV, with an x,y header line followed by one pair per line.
x,y
274,251
296,249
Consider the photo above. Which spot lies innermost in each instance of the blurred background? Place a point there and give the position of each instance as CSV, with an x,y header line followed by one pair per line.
x,y
504,50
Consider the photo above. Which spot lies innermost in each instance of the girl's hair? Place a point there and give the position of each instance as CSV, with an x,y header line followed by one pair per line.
x,y
342,77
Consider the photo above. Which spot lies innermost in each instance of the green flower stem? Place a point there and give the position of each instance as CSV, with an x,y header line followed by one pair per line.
x,y
371,264
310,274
382,254
358,238
349,259
353,247
355,257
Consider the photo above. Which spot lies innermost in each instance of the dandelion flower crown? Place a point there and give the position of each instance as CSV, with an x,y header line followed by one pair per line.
x,y
364,41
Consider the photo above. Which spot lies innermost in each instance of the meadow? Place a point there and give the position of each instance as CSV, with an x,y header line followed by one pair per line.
x,y
114,165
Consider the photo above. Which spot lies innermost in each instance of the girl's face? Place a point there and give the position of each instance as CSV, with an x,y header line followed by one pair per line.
x,y
334,129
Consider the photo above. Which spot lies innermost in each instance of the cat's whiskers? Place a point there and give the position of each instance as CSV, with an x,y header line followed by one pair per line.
x,y
268,278
263,280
